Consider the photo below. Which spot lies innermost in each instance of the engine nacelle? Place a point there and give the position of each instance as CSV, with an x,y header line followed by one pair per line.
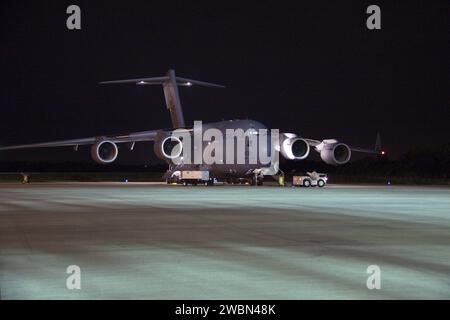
x,y
168,147
336,153
104,152
294,148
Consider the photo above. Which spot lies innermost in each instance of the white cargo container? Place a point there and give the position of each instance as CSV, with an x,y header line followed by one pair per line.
x,y
195,177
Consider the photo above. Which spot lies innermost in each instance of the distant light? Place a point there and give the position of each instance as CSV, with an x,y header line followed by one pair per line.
x,y
141,82
383,153
126,181
188,84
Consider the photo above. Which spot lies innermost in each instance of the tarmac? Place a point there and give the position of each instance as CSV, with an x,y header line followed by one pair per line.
x,y
153,241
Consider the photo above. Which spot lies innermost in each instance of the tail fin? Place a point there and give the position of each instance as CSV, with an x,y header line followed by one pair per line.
x,y
173,102
378,143
170,83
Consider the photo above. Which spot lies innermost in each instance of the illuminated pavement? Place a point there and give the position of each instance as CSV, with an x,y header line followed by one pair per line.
x,y
147,241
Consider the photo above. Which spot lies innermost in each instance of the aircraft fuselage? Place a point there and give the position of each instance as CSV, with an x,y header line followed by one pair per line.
x,y
236,133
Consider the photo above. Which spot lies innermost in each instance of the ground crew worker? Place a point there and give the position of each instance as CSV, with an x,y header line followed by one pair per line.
x,y
26,178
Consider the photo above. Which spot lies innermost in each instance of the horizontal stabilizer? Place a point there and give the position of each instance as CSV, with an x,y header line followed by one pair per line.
x,y
160,80
170,83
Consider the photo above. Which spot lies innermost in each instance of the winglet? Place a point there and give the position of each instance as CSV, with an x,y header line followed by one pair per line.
x,y
378,145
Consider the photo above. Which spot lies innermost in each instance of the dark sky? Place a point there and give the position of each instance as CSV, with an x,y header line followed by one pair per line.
x,y
312,68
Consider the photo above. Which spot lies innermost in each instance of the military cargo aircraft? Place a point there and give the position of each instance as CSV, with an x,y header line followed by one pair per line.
x,y
169,146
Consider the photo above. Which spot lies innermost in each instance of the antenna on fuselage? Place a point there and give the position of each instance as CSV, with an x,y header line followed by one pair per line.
x,y
170,83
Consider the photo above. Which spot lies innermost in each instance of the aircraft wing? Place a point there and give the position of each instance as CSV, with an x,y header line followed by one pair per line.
x,y
365,150
132,137
376,150
313,142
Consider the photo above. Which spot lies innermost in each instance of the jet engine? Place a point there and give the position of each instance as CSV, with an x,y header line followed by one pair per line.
x,y
168,147
104,152
336,153
294,148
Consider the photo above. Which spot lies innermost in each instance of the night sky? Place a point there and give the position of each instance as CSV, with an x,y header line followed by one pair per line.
x,y
311,68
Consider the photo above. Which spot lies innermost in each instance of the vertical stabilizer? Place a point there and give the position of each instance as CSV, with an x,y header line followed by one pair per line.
x,y
173,100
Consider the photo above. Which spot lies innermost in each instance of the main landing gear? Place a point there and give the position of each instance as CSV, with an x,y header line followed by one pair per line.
x,y
257,180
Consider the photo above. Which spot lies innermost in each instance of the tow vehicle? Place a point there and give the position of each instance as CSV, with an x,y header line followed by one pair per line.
x,y
312,179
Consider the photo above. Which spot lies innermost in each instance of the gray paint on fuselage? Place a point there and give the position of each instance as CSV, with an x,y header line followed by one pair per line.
x,y
224,170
